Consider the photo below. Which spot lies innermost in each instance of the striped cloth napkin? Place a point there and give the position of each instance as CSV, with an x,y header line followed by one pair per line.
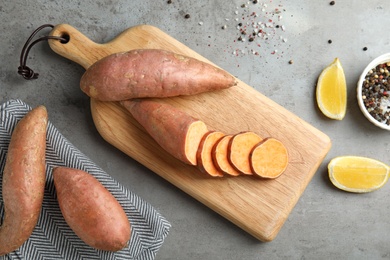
x,y
52,237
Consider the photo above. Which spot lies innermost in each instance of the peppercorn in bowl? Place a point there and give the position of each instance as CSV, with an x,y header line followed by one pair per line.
x,y
373,91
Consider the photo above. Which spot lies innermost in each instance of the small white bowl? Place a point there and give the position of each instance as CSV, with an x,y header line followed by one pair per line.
x,y
380,60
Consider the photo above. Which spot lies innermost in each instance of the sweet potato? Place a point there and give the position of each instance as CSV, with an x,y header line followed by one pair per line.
x,y
240,147
173,129
269,158
151,73
220,156
204,154
90,210
24,180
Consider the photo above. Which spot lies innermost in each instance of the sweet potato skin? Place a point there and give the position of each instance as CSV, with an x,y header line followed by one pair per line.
x,y
151,73
24,180
90,210
170,127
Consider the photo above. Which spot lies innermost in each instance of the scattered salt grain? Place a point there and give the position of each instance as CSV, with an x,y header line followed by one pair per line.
x,y
256,22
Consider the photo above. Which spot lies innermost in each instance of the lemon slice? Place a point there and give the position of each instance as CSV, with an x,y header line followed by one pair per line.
x,y
358,174
331,92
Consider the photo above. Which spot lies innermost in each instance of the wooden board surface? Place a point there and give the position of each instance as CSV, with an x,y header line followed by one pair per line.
x,y
258,206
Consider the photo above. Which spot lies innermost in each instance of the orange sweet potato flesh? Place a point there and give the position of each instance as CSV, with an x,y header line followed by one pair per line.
x,y
174,130
204,154
269,158
240,147
220,156
151,73
23,181
90,210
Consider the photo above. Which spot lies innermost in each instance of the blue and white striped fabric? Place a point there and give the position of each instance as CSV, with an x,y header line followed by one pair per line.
x,y
52,237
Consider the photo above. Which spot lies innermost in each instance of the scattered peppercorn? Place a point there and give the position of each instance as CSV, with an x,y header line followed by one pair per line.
x,y
187,16
255,1
365,48
332,2
329,41
290,62
169,2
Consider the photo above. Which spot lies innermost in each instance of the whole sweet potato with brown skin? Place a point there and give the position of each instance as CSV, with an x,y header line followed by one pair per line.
x,y
174,130
90,210
151,73
24,180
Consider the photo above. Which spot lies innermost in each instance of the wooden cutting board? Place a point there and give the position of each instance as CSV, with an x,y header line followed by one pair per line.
x,y
258,206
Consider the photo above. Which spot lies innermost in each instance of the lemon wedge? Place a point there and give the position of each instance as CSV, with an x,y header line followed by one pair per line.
x,y
358,174
331,91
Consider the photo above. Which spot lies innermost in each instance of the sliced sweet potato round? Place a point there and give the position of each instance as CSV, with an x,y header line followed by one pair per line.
x,y
204,154
269,158
220,156
240,147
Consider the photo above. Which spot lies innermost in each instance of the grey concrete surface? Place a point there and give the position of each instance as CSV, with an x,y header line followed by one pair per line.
x,y
326,223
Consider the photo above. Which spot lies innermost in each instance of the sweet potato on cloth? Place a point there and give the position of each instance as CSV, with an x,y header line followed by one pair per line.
x,y
204,154
174,130
90,210
269,158
240,147
23,181
151,73
220,156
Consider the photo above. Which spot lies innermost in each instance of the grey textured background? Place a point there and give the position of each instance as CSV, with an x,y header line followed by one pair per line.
x,y
326,223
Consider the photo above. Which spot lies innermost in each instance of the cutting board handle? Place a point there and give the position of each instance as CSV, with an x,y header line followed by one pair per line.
x,y
85,52
78,48
81,49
